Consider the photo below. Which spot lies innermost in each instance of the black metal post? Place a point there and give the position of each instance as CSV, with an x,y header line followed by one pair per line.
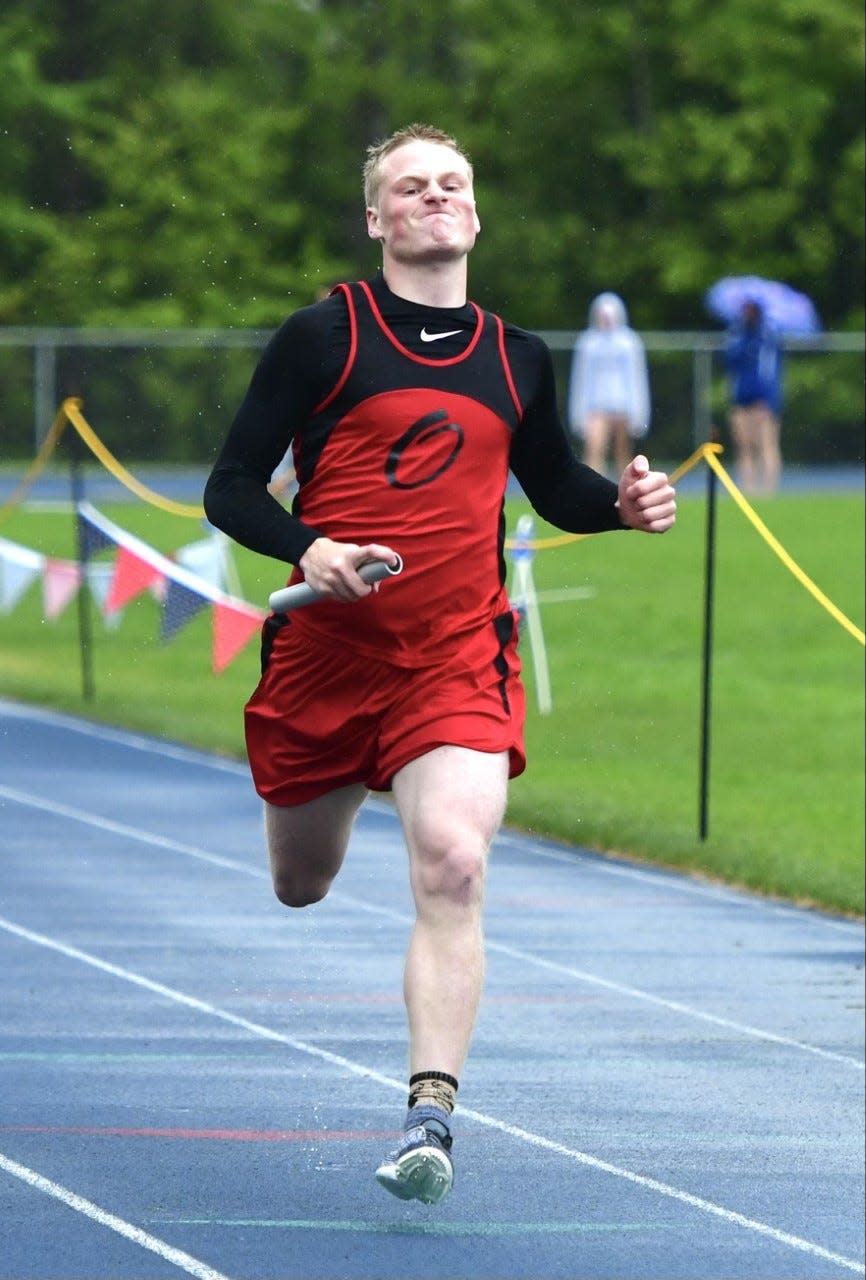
x,y
85,633
709,592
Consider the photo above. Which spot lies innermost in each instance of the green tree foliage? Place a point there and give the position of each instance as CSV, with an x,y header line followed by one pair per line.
x,y
199,164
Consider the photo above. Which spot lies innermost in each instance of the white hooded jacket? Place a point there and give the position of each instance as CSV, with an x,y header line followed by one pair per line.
x,y
609,370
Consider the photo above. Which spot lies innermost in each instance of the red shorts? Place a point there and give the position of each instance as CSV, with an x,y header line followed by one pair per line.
x,y
324,717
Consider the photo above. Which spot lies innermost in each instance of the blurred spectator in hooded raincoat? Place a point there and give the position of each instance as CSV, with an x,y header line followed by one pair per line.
x,y
609,397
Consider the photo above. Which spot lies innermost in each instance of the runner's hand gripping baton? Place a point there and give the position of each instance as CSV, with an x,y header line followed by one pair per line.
x,y
289,598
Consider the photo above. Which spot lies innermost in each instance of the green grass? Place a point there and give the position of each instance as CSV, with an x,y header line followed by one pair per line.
x,y
615,766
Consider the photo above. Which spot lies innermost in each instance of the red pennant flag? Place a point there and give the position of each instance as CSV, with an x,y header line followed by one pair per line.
x,y
133,575
233,626
60,581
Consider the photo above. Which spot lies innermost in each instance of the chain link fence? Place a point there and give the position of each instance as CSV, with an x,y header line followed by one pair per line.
x,y
169,395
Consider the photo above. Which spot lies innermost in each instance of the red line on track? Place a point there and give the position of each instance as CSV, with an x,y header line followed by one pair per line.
x,y
203,1135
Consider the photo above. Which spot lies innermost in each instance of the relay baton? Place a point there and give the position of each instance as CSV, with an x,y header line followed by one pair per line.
x,y
289,598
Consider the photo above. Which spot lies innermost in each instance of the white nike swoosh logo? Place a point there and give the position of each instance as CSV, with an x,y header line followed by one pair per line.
x,y
434,337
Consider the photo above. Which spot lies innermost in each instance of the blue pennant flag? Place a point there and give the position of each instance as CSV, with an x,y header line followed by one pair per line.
x,y
180,605
92,538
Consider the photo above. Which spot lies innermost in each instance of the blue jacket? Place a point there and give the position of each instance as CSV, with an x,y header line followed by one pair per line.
x,y
753,355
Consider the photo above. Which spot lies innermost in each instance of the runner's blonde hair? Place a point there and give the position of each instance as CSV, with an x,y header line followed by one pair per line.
x,y
377,152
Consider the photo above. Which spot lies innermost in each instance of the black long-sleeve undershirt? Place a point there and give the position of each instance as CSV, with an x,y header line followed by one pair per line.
x,y
301,365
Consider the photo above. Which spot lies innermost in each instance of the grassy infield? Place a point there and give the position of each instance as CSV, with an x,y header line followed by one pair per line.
x,y
615,766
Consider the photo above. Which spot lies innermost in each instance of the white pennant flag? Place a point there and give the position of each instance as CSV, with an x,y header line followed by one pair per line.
x,y
99,578
18,567
210,559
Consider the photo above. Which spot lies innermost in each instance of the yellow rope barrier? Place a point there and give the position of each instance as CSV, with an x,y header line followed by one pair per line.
x,y
564,539
709,453
49,444
780,551
72,409
545,544
699,455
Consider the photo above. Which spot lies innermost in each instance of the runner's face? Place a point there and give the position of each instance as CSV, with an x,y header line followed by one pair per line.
x,y
426,206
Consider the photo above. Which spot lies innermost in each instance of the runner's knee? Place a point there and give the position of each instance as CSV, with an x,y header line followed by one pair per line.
x,y
301,872
451,871
307,845
298,890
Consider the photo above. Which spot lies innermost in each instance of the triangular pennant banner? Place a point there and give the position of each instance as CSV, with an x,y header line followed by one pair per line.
x,y
181,603
181,592
60,581
99,579
14,580
18,567
205,560
233,626
132,576
92,538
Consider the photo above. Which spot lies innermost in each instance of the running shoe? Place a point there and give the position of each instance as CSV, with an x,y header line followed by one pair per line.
x,y
419,1168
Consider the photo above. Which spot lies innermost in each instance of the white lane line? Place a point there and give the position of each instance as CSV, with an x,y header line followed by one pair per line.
x,y
673,1193
513,1131
122,737
125,830
675,881
168,1253
513,953
623,989
675,1006
683,883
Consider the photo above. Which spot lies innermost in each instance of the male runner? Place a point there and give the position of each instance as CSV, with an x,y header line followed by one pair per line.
x,y
405,405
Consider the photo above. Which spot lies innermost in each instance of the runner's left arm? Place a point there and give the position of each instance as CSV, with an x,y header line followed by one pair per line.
x,y
562,489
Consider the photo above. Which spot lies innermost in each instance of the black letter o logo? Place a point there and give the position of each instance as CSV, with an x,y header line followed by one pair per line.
x,y
420,433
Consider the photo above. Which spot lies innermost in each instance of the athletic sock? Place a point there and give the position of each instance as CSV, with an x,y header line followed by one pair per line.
x,y
433,1089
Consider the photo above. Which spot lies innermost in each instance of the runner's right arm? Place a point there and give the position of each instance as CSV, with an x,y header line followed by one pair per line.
x,y
298,368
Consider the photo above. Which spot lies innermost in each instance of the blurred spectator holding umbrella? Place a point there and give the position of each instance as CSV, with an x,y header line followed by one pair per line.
x,y
753,355
759,313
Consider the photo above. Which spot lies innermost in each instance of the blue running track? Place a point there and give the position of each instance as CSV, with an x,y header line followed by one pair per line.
x,y
666,1080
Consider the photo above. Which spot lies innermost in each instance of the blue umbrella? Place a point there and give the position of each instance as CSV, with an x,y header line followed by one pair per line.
x,y
791,312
